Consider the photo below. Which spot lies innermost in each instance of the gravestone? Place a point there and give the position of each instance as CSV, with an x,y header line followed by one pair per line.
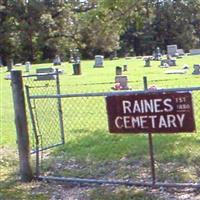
x,y
194,51
18,64
75,56
9,64
157,54
77,69
122,81
1,62
196,69
57,60
165,65
169,62
180,52
118,70
71,59
172,50
27,66
98,61
46,74
125,68
176,71
147,62
113,56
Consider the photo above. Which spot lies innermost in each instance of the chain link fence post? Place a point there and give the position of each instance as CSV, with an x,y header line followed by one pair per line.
x,y
21,126
150,139
60,107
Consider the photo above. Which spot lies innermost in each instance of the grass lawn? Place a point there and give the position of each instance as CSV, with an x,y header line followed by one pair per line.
x,y
90,151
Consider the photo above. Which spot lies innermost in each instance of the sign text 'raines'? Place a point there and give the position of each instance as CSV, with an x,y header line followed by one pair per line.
x,y
151,113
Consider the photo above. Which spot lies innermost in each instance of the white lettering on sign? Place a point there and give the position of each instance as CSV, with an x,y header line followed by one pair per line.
x,y
146,106
144,122
118,122
180,119
168,106
162,122
162,112
153,117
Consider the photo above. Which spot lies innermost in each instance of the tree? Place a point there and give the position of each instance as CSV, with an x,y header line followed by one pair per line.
x,y
173,25
38,30
8,36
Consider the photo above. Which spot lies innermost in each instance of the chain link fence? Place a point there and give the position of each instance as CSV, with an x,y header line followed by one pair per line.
x,y
92,152
40,126
135,84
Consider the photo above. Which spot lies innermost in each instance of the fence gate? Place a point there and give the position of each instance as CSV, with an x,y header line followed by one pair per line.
x,y
84,113
47,130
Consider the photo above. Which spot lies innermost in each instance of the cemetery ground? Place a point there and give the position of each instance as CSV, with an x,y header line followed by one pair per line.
x,y
91,152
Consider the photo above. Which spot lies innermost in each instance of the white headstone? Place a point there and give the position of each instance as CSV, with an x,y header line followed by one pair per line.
x,y
180,52
172,50
98,61
46,74
57,60
194,51
18,64
27,66
176,71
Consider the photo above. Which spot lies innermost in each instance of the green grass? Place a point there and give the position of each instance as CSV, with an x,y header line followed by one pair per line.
x,y
87,83
90,150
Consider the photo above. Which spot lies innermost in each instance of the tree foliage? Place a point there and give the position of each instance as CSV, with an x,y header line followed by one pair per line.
x,y
37,30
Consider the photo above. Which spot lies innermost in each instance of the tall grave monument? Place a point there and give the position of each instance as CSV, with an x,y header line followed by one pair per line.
x,y
57,60
157,54
27,66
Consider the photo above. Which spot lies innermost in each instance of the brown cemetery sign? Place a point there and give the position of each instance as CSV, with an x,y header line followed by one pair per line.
x,y
170,112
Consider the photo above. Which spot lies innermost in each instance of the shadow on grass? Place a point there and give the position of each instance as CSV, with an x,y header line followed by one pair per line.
x,y
100,145
99,154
